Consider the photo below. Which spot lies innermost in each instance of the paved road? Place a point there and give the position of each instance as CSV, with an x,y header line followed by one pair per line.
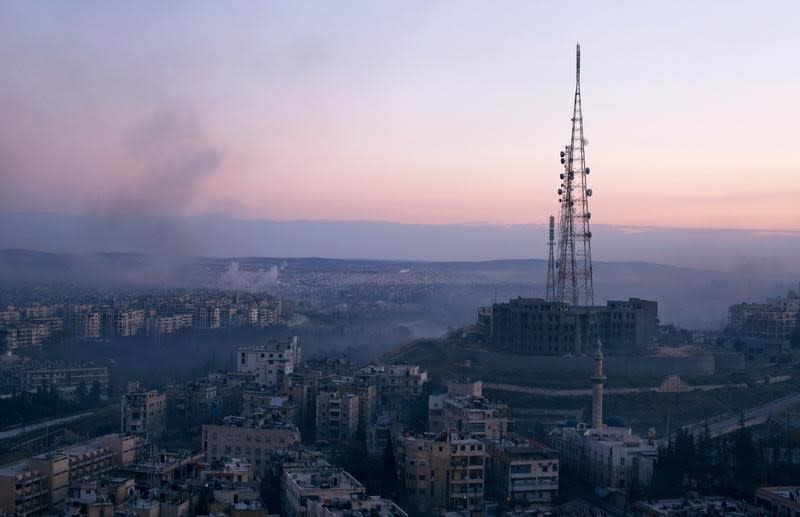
x,y
11,433
722,425
587,392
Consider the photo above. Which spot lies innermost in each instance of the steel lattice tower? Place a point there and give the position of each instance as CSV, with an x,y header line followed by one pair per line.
x,y
551,262
574,268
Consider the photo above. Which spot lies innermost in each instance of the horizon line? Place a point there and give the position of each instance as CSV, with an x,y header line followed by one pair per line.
x,y
474,224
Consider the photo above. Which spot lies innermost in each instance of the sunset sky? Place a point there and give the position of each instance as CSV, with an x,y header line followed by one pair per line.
x,y
416,112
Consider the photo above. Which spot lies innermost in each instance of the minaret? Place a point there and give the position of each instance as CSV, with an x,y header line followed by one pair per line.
x,y
597,388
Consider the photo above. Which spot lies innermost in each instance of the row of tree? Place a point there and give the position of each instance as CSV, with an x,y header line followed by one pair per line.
x,y
735,464
46,403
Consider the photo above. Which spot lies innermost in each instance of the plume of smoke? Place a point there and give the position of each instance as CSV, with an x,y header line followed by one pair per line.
x,y
236,279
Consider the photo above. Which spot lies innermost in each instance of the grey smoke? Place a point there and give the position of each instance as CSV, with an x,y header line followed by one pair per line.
x,y
236,279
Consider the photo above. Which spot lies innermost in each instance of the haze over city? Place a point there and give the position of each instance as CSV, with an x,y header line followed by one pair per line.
x,y
399,259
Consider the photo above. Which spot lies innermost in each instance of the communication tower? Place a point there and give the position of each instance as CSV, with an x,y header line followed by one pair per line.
x,y
551,262
574,266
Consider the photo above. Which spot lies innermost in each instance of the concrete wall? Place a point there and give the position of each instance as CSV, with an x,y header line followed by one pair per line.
x,y
614,365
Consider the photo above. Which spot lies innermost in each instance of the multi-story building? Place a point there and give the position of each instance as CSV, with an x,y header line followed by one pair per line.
x,y
24,489
67,376
144,412
124,323
522,471
9,315
25,335
439,472
337,415
207,317
470,414
248,438
90,459
537,327
159,325
367,398
268,313
398,384
774,320
263,402
271,363
87,324
374,506
321,485
56,466
31,486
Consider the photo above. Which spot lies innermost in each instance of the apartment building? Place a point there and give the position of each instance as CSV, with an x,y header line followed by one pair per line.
x,y
124,323
144,412
337,415
65,377
445,471
249,438
87,324
24,489
469,414
398,384
374,506
160,325
322,485
367,398
774,320
522,471
25,335
270,363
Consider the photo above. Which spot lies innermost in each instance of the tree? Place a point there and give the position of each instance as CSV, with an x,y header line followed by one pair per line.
x,y
389,479
744,457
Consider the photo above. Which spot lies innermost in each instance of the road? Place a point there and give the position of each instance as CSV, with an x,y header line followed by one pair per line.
x,y
587,392
724,424
11,433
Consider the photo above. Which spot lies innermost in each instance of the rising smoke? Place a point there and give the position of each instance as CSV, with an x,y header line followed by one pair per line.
x,y
236,279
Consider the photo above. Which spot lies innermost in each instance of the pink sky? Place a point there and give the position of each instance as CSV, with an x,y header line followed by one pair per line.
x,y
421,112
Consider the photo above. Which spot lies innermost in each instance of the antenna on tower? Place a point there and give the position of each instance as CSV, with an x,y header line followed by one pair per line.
x,y
551,262
574,271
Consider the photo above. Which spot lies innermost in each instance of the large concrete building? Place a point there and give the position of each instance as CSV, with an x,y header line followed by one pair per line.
x,y
774,320
31,486
24,489
439,472
337,415
360,506
318,485
124,323
54,377
538,327
271,363
398,384
249,438
167,324
464,409
144,412
87,324
522,471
